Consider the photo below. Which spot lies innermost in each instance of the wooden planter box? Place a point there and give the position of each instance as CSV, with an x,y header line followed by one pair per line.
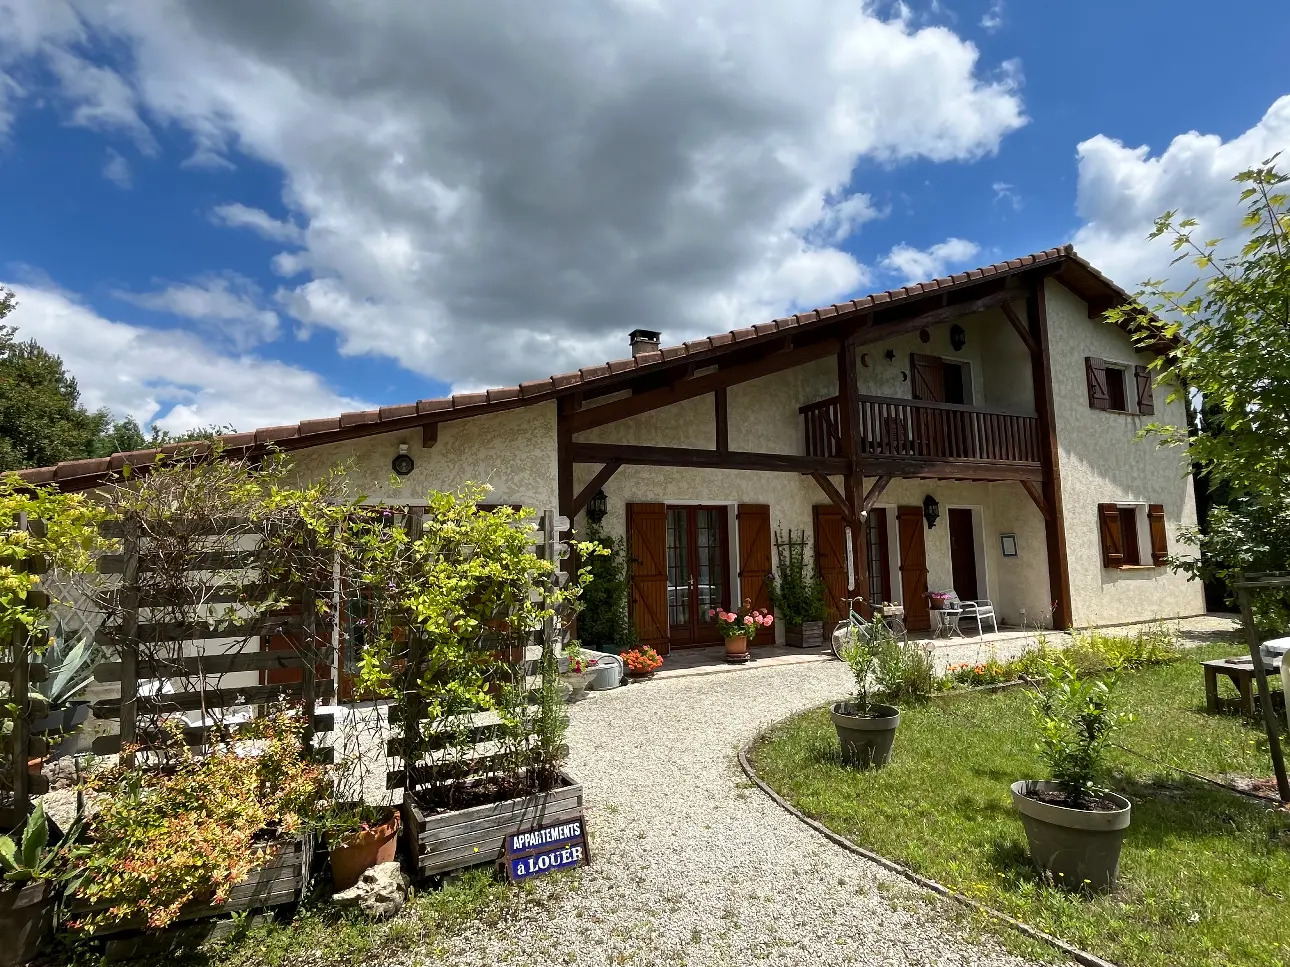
x,y
440,843
281,880
809,634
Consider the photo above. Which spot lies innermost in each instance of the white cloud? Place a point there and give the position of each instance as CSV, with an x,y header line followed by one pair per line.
x,y
169,377
1122,191
1006,194
117,170
237,215
992,19
228,303
921,265
100,98
684,165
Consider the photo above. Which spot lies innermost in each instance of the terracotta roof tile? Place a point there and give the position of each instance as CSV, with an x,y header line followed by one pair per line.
x,y
320,429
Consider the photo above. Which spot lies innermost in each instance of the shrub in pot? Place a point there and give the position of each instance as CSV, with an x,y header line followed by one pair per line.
x,y
71,671
797,593
31,870
359,836
738,628
866,728
642,662
1074,825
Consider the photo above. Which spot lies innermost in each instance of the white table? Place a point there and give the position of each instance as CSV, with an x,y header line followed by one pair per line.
x,y
946,620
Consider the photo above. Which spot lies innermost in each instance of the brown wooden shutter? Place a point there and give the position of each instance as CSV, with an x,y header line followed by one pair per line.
x,y
1159,537
647,561
927,378
1112,541
831,562
1095,373
753,522
1146,396
913,568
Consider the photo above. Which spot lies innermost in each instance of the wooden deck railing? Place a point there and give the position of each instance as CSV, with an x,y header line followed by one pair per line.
x,y
893,427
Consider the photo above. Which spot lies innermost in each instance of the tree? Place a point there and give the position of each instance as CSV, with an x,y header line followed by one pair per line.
x,y
1231,324
42,420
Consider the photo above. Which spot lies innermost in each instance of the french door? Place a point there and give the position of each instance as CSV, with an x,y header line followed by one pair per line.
x,y
698,572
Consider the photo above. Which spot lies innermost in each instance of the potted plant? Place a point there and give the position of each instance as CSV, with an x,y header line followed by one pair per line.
x,y
577,669
738,628
31,870
797,594
642,662
1074,825
867,729
359,836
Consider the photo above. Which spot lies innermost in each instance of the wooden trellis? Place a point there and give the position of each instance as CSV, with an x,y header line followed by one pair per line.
x,y
153,651
1245,585
17,784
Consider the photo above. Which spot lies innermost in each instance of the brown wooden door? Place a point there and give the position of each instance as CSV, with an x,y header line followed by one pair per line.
x,y
879,562
963,554
647,559
927,383
913,568
831,560
753,526
698,579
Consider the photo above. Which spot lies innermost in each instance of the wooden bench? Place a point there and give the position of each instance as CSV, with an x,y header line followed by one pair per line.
x,y
1241,672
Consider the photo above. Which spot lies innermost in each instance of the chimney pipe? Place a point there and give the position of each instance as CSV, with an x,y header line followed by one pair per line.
x,y
643,341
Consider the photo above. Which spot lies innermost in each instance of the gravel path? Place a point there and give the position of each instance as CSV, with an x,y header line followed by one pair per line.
x,y
694,865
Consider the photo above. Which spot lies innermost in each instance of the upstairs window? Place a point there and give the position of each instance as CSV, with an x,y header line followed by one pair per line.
x,y
937,380
1119,387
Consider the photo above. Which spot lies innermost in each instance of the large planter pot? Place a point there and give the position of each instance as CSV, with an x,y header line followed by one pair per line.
x,y
737,650
1079,848
364,850
866,739
809,634
26,920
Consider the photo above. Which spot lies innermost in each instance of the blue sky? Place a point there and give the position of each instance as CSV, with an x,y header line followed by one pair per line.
x,y
219,213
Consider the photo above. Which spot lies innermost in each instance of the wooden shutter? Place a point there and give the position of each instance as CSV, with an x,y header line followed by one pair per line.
x,y
1095,373
753,522
831,562
1159,537
1146,396
927,378
1112,541
647,560
913,568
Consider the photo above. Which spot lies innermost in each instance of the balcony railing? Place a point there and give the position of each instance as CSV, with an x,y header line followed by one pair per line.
x,y
913,429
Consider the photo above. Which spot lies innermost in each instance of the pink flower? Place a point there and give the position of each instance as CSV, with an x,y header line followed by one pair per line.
x,y
770,619
712,612
748,620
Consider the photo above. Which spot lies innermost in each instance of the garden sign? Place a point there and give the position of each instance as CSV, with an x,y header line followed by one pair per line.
x,y
536,852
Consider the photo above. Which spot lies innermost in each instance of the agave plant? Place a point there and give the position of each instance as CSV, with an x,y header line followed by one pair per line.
x,y
73,671
31,858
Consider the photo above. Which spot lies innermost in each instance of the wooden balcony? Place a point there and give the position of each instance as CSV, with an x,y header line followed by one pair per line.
x,y
911,438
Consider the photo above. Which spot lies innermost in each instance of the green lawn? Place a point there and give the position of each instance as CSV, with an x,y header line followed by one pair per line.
x,y
1205,873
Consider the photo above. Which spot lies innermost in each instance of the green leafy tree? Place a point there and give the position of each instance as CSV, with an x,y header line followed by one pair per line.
x,y
604,624
1231,323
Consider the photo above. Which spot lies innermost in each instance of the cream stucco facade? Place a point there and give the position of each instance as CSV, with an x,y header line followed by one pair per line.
x,y
1100,460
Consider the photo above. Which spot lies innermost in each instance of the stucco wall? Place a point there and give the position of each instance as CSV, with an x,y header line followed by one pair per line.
x,y
514,451
1102,461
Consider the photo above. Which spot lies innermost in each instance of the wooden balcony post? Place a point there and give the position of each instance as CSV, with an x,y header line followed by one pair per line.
x,y
851,431
1059,581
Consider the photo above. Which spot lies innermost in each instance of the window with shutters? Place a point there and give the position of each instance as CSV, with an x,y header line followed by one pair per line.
x,y
1119,387
1116,398
1133,535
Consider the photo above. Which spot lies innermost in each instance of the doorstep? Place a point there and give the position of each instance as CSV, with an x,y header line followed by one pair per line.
x,y
692,662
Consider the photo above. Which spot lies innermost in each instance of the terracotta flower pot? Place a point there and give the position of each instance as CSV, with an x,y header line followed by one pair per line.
x,y
363,850
736,649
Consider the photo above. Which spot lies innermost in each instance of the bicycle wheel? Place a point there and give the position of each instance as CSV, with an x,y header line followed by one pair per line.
x,y
843,632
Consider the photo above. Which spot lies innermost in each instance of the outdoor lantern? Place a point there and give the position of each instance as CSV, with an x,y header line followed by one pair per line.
x,y
958,337
931,510
597,507
402,464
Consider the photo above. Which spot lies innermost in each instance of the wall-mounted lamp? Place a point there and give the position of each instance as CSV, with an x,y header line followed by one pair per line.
x,y
597,507
402,464
958,337
931,511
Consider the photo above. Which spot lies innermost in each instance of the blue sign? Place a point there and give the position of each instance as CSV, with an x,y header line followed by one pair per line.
x,y
535,852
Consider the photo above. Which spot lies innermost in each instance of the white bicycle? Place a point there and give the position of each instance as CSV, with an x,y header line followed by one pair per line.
x,y
856,623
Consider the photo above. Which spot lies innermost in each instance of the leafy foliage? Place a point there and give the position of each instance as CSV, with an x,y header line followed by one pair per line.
x,y
31,857
162,839
1075,721
603,624
1232,323
798,591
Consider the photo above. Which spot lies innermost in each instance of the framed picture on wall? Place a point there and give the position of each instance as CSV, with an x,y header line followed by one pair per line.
x,y
1009,544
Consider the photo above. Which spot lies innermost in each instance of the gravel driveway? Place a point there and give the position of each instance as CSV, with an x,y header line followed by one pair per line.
x,y
694,865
